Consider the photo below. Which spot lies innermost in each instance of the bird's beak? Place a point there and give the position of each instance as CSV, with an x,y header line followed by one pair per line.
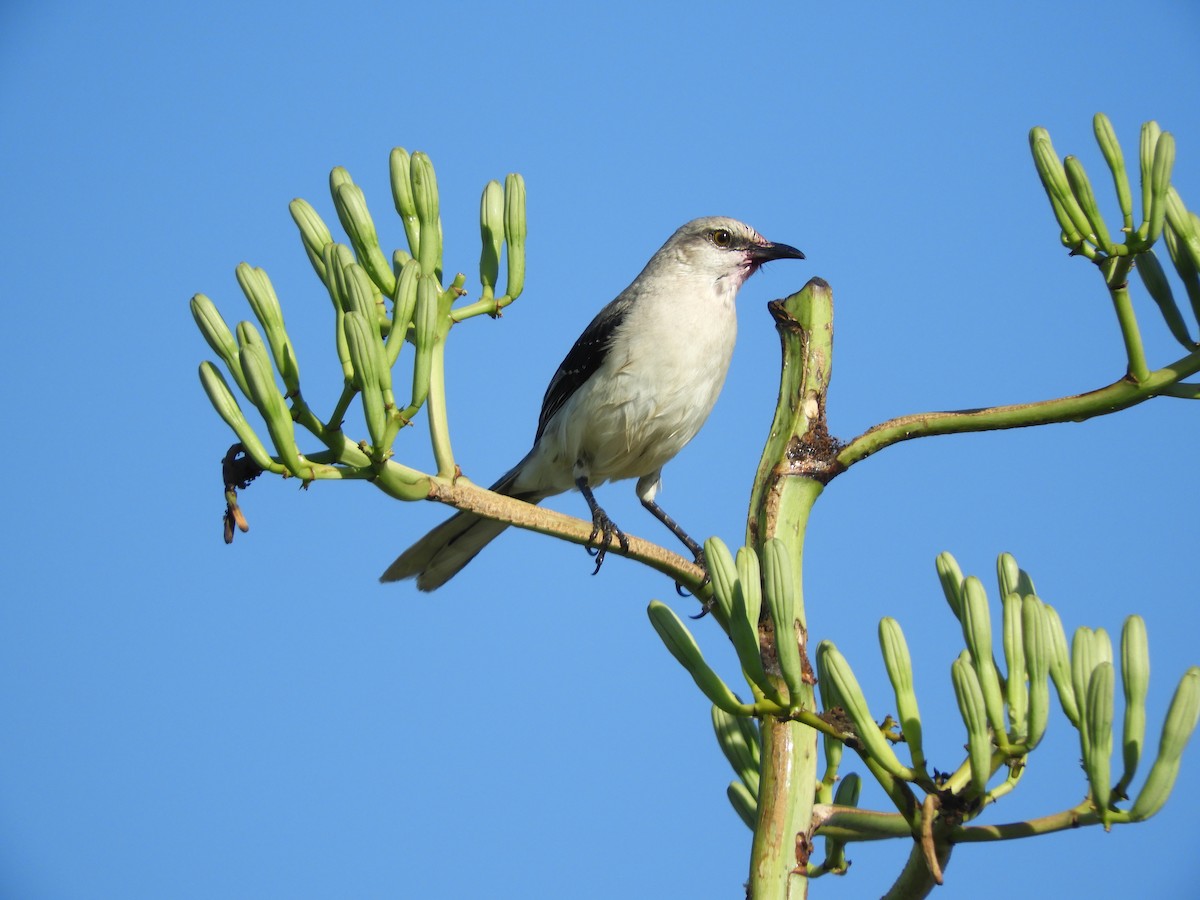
x,y
761,253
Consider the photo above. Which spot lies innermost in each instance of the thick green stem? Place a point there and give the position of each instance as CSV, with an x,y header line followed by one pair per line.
x,y
791,475
917,879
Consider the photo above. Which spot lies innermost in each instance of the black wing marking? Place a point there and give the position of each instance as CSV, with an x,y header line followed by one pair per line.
x,y
581,363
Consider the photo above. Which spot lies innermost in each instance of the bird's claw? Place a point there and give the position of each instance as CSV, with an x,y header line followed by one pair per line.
x,y
708,604
683,592
606,530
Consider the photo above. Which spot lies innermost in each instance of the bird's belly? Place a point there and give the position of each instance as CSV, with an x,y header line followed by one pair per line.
x,y
632,427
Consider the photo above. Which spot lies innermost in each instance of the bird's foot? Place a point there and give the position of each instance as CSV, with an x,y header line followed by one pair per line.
x,y
684,592
606,530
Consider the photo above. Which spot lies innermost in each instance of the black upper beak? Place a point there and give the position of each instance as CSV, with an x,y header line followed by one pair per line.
x,y
762,253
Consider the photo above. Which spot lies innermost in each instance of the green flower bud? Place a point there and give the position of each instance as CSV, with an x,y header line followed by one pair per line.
x,y
1160,184
973,709
351,206
683,647
403,309
1102,646
426,336
217,335
402,195
1081,189
1149,140
360,335
425,196
1096,738
491,231
749,585
1061,666
1186,227
898,662
228,409
743,803
358,294
723,572
1109,146
1135,681
724,575
268,399
258,290
1084,659
1016,693
334,284
1183,260
1070,217
752,736
337,177
830,698
1155,280
780,595
741,755
314,233
1008,574
848,791
1177,729
951,577
855,704
514,234
1035,632
977,631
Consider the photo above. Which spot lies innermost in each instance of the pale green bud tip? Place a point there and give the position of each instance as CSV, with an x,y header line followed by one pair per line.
x,y
514,208
680,643
723,571
337,177
352,210
951,578
313,229
491,209
848,790
425,189
212,326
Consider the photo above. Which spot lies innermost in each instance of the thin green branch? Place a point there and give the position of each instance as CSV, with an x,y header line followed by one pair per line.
x,y
1076,817
487,306
1116,396
1135,353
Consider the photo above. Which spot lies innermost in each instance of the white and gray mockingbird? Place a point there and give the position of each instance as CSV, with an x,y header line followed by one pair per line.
x,y
636,387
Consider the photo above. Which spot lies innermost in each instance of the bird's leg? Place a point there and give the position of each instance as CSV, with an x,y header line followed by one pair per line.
x,y
659,513
602,526
688,541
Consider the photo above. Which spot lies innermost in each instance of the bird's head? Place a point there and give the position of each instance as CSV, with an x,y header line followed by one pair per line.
x,y
725,248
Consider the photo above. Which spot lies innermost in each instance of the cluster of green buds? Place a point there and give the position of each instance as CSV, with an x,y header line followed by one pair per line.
x,y
1162,215
747,593
1004,711
740,588
380,302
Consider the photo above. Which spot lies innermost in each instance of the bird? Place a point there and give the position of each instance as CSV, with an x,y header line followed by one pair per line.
x,y
634,389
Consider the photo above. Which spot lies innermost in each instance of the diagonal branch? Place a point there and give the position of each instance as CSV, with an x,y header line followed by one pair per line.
x,y
468,497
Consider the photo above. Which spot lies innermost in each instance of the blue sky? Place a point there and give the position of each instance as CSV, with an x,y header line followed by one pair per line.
x,y
191,720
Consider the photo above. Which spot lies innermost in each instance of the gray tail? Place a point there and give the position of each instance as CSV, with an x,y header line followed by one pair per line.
x,y
441,554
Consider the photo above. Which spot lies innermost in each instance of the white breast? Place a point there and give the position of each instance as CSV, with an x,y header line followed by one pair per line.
x,y
649,398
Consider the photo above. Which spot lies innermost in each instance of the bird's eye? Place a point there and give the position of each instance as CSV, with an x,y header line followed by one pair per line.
x,y
721,237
